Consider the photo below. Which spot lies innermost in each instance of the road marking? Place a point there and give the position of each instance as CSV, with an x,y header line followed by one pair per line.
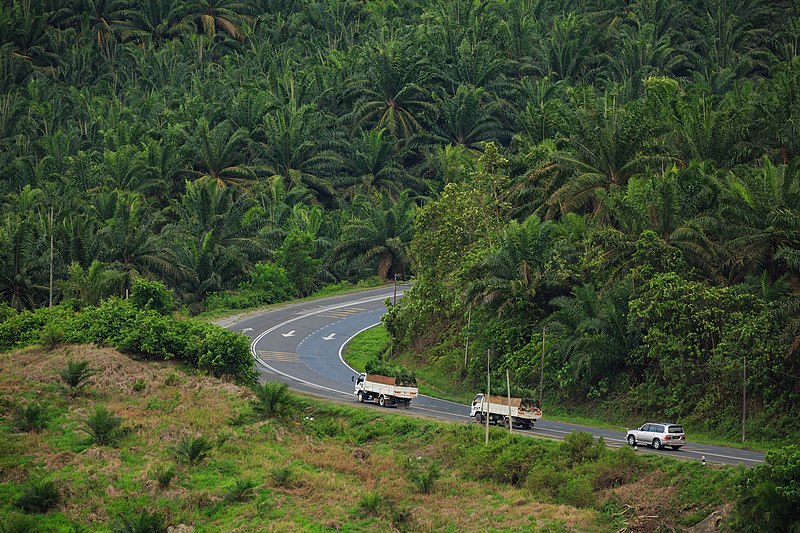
x,y
247,329
263,334
287,357
290,334
329,337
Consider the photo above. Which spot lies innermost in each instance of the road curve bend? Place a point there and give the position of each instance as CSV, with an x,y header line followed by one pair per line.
x,y
301,344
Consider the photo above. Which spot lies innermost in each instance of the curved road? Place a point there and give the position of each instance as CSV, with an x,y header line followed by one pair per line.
x,y
301,345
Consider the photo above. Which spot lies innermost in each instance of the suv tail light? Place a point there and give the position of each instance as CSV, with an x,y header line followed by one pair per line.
x,y
667,437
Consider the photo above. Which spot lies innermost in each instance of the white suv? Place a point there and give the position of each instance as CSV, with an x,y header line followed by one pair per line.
x,y
657,435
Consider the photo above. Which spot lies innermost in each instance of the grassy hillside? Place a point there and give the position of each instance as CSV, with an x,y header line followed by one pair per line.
x,y
317,467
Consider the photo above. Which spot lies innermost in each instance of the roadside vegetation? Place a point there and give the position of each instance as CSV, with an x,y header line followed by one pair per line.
x,y
195,450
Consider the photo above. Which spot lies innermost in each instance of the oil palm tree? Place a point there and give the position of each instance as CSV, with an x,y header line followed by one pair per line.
x,y
379,236
220,155
513,276
468,118
296,144
390,95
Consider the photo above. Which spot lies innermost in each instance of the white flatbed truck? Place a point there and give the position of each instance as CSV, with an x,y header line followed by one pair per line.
x,y
384,390
521,412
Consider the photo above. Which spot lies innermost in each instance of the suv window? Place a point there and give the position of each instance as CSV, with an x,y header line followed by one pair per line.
x,y
646,427
656,428
676,429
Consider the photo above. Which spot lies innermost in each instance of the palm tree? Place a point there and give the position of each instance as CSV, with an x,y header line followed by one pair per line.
x,y
592,331
295,143
468,118
390,95
130,242
91,285
219,155
513,275
761,214
22,264
379,236
603,152
216,16
215,236
373,164
151,22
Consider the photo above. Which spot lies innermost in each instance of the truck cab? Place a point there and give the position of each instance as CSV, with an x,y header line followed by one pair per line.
x,y
477,404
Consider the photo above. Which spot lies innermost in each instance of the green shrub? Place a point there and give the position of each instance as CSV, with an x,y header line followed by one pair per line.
x,y
545,481
577,492
76,375
268,284
422,476
39,495
139,385
164,474
52,335
25,328
404,376
104,427
31,417
273,399
143,521
371,503
19,523
192,450
768,495
151,295
242,490
222,352
580,447
282,476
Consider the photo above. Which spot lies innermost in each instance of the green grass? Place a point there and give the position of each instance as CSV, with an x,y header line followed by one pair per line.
x,y
301,471
441,384
367,345
335,289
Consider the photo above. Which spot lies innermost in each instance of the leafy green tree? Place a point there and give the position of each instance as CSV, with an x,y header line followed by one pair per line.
x,y
767,495
296,256
91,285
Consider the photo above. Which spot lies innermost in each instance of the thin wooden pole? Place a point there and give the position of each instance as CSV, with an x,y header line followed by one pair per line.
x,y
488,393
510,420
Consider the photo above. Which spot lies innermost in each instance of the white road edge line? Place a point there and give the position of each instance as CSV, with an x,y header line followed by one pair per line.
x,y
306,315
354,335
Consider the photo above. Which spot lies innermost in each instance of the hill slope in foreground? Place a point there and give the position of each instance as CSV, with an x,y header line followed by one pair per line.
x,y
192,453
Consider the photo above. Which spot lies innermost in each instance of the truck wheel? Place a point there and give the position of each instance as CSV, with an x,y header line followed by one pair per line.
x,y
479,418
507,423
382,401
361,397
406,403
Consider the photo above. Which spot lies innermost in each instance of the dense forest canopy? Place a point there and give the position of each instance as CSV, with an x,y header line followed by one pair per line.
x,y
621,175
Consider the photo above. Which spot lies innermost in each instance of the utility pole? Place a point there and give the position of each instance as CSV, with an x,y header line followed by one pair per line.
x,y
541,375
488,392
52,255
508,387
394,298
744,395
466,349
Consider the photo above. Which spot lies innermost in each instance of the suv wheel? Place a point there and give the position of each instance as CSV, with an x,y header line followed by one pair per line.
x,y
631,440
656,444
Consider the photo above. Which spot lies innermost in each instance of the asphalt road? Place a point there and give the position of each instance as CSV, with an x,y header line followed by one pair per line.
x,y
301,344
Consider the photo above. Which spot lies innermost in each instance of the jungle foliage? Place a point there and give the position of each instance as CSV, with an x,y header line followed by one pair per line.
x,y
622,178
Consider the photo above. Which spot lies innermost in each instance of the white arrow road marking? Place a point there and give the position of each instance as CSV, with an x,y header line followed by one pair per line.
x,y
247,329
290,334
330,337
